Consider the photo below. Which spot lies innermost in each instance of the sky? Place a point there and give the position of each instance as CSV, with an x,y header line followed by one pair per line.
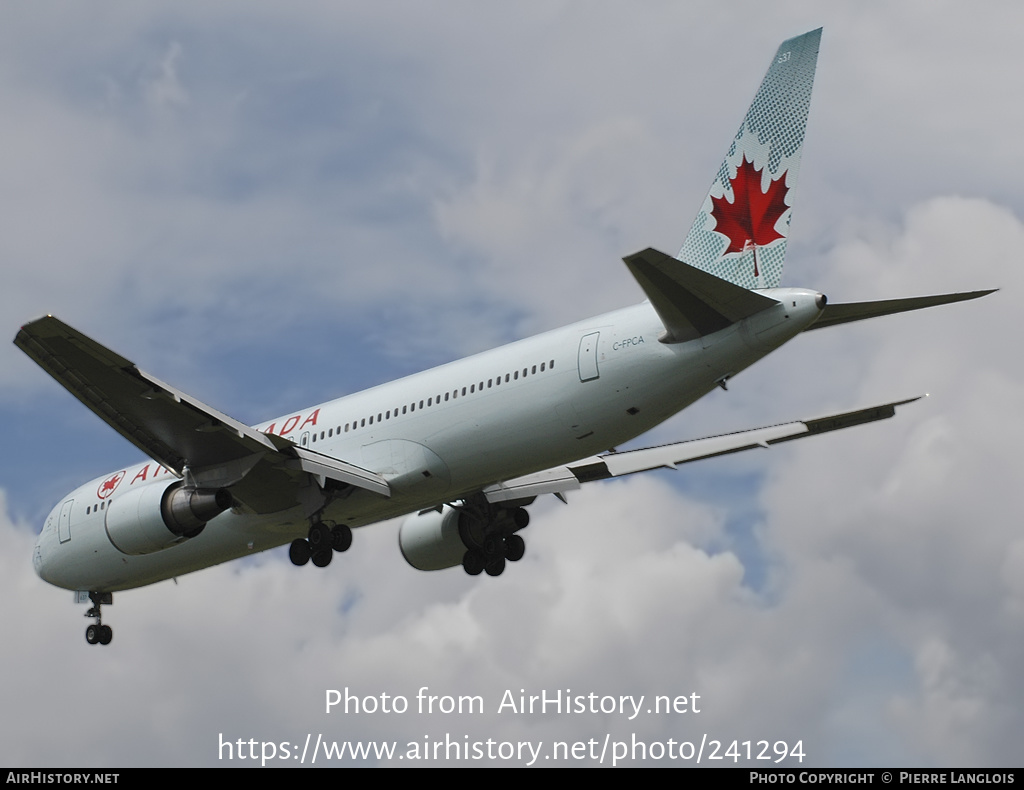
x,y
271,205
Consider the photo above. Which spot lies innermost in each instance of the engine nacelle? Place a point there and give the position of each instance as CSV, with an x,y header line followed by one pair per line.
x,y
430,541
154,518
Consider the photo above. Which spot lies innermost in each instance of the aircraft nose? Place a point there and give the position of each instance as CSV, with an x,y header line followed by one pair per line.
x,y
37,558
42,556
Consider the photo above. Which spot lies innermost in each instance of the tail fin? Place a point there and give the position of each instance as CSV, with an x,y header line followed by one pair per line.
x,y
740,232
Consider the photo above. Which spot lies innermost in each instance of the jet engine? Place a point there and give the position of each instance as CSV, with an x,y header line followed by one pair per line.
x,y
153,518
479,536
430,541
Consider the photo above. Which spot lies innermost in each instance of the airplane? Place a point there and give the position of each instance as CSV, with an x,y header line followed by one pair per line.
x,y
460,450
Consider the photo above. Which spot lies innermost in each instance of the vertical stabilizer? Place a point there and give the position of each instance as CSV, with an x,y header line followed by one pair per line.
x,y
740,232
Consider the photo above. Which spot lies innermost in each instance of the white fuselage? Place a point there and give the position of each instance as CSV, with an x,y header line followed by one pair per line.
x,y
443,434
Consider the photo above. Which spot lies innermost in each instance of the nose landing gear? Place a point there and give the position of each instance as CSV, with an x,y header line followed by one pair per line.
x,y
97,633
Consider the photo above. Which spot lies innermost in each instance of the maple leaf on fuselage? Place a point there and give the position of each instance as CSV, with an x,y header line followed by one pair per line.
x,y
751,217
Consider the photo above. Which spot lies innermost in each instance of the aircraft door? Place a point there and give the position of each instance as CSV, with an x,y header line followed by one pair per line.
x,y
587,359
64,523
304,439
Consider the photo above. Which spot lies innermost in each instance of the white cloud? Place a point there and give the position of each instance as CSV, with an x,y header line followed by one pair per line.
x,y
164,91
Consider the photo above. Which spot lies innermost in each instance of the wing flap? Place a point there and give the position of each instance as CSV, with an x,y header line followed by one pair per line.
x,y
335,469
551,481
601,467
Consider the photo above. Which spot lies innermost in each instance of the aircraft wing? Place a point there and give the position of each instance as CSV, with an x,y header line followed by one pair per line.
x,y
560,479
178,431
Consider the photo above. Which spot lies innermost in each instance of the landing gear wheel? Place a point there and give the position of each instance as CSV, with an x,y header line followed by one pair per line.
x,y
492,547
322,558
299,552
515,547
341,537
489,533
319,537
495,567
473,562
97,633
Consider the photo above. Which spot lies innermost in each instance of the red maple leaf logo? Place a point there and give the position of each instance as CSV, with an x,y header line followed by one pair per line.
x,y
749,221
107,486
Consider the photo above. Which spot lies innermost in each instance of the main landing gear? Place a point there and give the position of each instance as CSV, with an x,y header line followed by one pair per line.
x,y
97,633
324,539
491,540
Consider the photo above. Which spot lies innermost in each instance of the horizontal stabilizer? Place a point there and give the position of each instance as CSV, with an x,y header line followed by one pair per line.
x,y
857,311
691,303
600,467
